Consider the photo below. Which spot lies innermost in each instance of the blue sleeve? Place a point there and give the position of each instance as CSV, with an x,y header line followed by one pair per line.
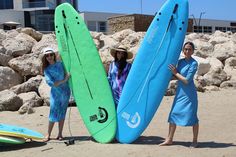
x,y
109,73
191,71
130,65
49,80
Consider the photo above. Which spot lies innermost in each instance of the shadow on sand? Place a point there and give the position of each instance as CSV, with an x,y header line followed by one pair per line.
x,y
8,147
148,140
155,140
210,144
67,141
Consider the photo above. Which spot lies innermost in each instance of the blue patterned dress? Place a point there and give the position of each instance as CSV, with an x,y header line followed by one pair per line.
x,y
116,83
60,95
185,105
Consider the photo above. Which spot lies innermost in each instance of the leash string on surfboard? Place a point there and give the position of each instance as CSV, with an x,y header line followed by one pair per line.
x,y
71,141
152,65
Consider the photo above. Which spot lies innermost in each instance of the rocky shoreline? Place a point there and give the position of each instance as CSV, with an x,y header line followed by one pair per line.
x,y
22,87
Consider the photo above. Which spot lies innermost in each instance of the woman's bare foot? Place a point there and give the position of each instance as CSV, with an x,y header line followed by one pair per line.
x,y
167,142
60,138
46,138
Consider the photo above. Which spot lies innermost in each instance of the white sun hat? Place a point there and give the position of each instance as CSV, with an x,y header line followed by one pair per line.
x,y
48,50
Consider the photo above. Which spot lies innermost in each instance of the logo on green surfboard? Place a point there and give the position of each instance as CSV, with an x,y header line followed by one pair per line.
x,y
101,117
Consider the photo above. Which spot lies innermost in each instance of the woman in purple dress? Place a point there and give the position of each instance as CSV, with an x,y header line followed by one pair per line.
x,y
185,105
118,71
60,92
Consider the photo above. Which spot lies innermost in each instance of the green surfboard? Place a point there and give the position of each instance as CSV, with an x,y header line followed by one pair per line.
x,y
11,140
88,80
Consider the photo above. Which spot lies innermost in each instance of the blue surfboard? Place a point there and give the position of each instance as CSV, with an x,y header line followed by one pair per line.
x,y
149,76
18,131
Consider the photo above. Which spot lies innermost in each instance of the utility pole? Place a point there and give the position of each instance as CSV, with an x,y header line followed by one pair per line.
x,y
141,5
194,19
199,21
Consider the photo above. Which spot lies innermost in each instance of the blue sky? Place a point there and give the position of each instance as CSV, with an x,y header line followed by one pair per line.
x,y
214,9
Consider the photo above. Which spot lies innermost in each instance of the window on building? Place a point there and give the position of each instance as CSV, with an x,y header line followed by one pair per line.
x,y
228,28
207,29
92,25
233,29
197,29
222,29
6,4
45,23
34,3
233,24
102,26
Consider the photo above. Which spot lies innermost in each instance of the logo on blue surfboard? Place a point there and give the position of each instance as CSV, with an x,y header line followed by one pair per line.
x,y
132,121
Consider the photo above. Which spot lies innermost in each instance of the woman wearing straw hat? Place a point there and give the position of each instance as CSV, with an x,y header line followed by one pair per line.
x,y
119,70
60,92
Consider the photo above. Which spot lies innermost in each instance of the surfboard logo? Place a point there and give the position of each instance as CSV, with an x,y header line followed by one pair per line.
x,y
63,43
101,117
152,35
18,130
132,121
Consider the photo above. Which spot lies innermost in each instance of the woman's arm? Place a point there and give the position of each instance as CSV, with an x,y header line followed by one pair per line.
x,y
177,75
57,83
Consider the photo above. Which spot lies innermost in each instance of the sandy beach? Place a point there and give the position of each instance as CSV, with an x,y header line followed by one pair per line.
x,y
217,137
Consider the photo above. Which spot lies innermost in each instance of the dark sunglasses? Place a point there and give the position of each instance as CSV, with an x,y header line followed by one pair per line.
x,y
50,54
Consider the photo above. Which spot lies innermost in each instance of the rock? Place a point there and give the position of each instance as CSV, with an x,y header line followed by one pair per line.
x,y
203,65
2,36
48,40
44,92
31,32
4,58
31,85
215,77
9,101
9,78
19,45
30,100
225,50
204,49
30,66
230,67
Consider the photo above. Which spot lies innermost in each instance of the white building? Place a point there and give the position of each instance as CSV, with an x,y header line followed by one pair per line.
x,y
39,14
97,21
210,26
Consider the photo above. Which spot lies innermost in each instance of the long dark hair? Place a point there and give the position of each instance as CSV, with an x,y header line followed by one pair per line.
x,y
45,63
121,63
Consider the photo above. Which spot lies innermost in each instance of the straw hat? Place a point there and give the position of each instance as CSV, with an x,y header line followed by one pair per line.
x,y
122,49
48,50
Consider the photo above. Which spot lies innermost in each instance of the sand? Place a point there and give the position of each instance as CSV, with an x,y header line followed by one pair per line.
x,y
217,136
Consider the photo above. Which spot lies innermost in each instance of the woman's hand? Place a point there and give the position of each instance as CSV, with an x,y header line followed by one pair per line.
x,y
67,77
176,74
173,69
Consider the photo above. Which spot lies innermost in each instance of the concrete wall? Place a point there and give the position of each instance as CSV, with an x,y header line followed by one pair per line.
x,y
116,24
134,22
12,15
93,16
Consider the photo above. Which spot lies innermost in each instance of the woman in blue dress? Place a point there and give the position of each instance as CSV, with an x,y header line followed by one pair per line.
x,y
118,71
60,92
185,105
